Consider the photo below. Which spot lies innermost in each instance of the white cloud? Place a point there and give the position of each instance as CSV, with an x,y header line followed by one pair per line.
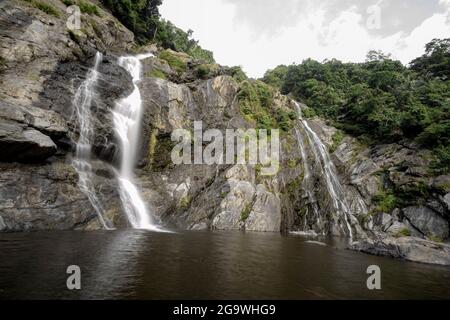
x,y
240,35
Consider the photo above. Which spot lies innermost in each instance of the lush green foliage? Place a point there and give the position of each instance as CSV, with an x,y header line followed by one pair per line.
x,y
89,8
142,17
238,74
276,76
338,137
256,100
203,71
409,194
436,60
175,62
385,202
156,73
380,99
169,36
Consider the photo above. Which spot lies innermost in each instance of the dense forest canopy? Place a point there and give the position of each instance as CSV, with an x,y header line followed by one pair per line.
x,y
380,99
143,18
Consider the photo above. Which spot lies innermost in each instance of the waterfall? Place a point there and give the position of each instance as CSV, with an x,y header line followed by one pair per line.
x,y
127,120
82,162
328,172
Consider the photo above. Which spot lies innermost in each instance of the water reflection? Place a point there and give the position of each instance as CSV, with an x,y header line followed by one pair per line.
x,y
144,265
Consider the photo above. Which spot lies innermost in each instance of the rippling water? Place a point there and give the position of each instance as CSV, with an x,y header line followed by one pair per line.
x,y
145,265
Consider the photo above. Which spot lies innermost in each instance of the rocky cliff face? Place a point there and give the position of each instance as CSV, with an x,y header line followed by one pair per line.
x,y
405,202
41,65
323,187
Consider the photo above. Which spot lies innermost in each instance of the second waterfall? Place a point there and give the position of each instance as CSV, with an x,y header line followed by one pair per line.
x,y
127,122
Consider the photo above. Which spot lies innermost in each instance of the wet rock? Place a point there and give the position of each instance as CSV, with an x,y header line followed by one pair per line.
x,y
200,227
408,248
317,243
47,197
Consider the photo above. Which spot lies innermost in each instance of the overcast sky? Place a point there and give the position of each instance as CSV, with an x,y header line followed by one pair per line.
x,y
261,34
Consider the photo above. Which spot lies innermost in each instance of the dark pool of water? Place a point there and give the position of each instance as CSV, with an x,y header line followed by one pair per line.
x,y
143,265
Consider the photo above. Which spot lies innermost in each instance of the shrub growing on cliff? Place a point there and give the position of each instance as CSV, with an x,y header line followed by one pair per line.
x,y
403,233
338,137
88,8
44,7
256,100
68,2
202,71
156,73
385,202
238,74
285,119
441,164
246,212
174,62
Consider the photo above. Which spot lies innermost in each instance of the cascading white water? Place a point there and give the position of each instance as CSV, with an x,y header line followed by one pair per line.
x,y
127,121
328,170
82,163
307,183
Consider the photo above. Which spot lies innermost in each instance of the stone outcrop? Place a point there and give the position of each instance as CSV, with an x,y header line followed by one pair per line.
x,y
407,206
408,248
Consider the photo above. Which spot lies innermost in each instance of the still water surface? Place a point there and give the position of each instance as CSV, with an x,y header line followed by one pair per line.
x,y
202,265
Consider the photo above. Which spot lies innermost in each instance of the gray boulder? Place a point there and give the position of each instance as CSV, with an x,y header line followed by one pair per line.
x,y
408,248
21,144
428,222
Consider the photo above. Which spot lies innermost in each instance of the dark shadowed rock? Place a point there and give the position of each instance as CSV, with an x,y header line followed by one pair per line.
x,y
21,144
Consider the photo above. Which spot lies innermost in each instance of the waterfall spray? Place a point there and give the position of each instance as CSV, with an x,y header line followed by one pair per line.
x,y
127,120
82,162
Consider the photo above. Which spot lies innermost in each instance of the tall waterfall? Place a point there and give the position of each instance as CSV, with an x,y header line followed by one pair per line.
x,y
82,163
127,121
342,217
